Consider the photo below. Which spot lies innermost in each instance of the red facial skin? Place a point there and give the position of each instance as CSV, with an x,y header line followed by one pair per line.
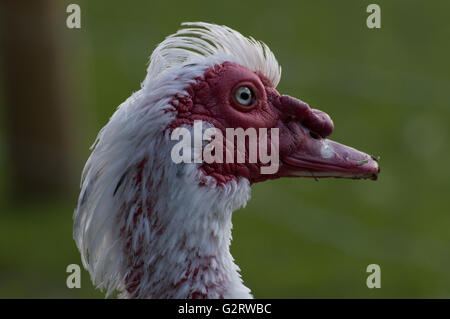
x,y
211,99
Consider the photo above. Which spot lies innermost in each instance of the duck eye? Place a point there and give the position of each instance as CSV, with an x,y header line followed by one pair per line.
x,y
244,96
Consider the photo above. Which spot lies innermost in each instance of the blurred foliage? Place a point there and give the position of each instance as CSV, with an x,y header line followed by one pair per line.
x,y
388,92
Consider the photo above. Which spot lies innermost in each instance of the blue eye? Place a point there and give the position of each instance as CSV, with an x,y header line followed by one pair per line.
x,y
244,96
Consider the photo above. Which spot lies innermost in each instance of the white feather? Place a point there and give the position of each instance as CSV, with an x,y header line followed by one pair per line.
x,y
195,221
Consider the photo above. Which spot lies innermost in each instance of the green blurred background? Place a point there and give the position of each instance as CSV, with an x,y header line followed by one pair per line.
x,y
387,90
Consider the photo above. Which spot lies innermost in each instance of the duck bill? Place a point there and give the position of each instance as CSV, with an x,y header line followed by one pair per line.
x,y
320,158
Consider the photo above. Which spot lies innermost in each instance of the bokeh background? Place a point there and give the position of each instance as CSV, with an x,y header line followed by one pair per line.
x,y
387,90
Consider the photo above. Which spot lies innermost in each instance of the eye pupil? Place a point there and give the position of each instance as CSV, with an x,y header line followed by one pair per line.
x,y
245,95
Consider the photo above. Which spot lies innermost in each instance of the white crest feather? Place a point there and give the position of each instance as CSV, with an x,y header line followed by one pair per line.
x,y
201,40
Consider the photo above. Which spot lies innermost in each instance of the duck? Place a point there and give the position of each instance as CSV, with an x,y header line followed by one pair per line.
x,y
148,226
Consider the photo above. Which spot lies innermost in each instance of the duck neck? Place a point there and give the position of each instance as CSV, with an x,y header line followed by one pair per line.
x,y
187,254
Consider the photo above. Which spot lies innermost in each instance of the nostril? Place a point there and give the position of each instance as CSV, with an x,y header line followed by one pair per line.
x,y
314,135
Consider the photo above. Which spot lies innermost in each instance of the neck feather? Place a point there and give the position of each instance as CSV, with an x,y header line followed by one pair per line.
x,y
150,228
186,252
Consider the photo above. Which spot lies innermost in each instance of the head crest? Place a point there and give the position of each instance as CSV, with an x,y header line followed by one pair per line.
x,y
199,40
